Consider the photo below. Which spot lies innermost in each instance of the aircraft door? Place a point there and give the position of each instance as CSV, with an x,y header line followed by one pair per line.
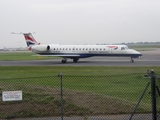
x,y
123,50
113,49
110,50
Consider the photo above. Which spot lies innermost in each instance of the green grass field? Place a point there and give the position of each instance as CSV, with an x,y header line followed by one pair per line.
x,y
111,81
124,85
32,71
21,55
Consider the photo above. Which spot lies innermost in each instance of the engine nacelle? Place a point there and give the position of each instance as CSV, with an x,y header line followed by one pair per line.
x,y
40,48
48,48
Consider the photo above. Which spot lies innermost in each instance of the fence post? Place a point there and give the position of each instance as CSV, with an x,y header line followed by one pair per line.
x,y
153,95
62,114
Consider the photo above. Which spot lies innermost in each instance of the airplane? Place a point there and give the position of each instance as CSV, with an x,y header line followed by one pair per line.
x,y
76,52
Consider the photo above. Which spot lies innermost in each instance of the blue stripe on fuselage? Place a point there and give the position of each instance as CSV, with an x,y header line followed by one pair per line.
x,y
91,55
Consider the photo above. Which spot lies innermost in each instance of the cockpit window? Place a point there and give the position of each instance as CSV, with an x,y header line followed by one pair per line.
x,y
126,48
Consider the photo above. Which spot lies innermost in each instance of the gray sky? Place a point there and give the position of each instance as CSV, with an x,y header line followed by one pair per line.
x,y
79,21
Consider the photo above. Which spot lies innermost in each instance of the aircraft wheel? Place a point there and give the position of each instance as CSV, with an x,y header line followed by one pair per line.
x,y
64,60
75,60
132,61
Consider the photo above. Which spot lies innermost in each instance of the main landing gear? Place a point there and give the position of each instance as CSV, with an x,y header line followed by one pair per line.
x,y
64,60
132,61
75,59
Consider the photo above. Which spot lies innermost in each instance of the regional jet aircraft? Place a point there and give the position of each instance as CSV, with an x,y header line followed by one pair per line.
x,y
76,52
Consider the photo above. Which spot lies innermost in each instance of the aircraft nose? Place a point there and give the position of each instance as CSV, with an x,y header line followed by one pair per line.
x,y
138,53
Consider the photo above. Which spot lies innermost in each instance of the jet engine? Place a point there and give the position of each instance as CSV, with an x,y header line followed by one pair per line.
x,y
40,48
48,48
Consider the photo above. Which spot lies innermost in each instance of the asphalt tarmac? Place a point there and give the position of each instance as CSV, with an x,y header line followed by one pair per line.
x,y
149,58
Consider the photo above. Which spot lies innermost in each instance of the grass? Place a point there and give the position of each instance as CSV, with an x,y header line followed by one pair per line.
x,y
28,71
83,95
111,81
87,90
21,55
36,103
86,95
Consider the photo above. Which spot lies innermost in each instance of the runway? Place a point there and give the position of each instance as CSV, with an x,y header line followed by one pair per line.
x,y
149,58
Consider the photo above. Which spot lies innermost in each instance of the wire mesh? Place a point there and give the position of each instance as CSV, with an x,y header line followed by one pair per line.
x,y
84,97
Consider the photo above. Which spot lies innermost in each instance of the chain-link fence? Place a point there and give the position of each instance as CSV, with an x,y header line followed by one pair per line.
x,y
84,97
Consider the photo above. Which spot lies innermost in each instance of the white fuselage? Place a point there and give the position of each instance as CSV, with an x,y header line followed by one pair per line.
x,y
82,51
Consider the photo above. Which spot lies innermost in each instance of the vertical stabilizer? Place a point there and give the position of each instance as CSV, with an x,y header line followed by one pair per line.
x,y
30,41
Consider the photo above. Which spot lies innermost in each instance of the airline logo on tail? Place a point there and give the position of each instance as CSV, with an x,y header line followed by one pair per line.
x,y
30,41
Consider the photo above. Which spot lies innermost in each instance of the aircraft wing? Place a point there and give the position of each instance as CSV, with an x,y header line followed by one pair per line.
x,y
67,55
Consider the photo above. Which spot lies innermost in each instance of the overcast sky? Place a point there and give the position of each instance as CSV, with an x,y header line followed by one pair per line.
x,y
79,21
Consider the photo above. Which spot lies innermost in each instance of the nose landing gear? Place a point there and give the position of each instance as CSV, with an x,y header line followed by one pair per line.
x,y
132,61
